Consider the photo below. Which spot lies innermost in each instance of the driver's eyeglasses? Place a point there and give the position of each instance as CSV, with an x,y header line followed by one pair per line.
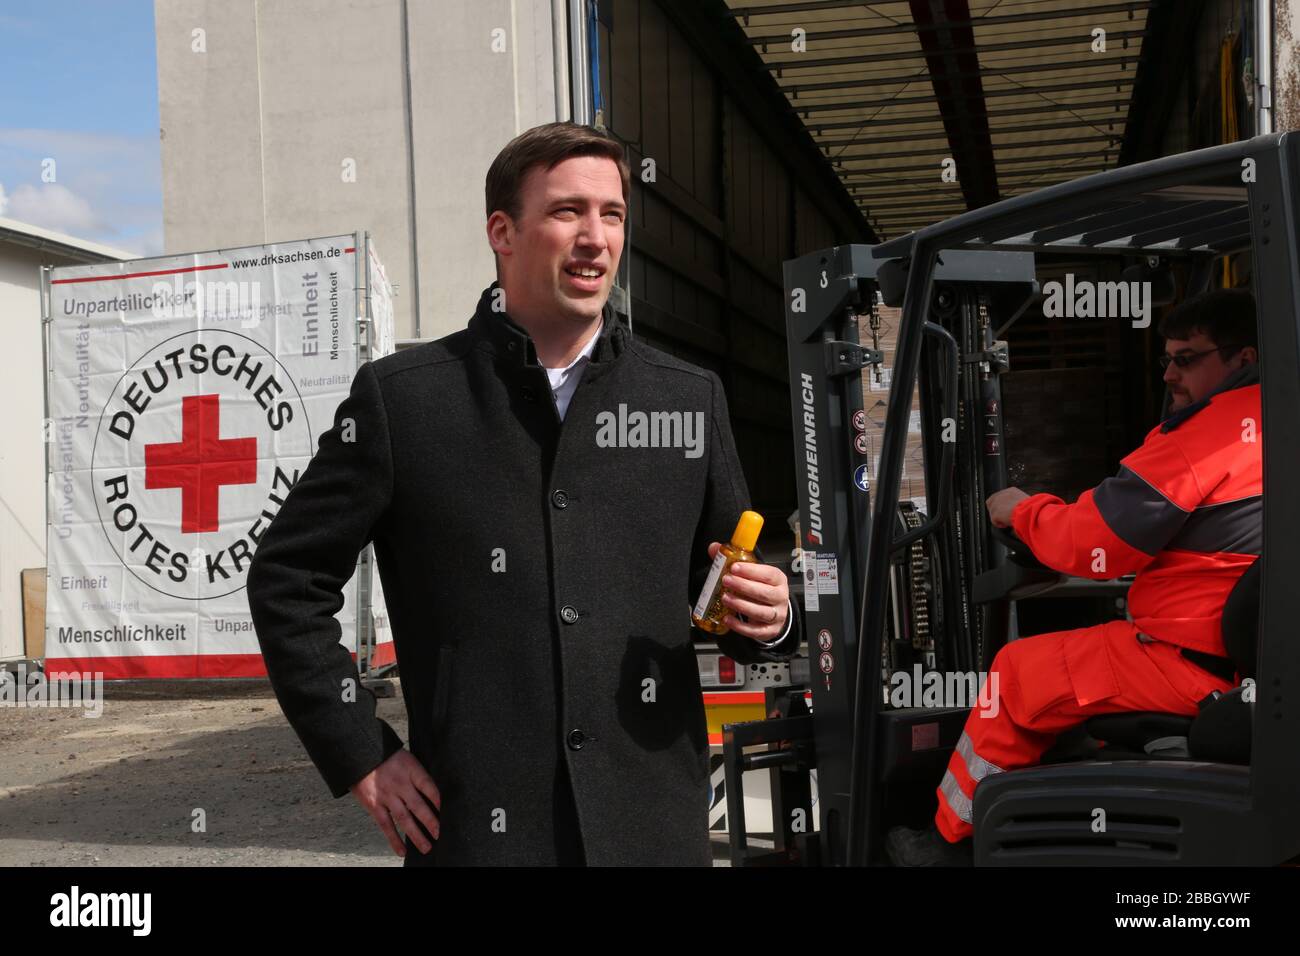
x,y
1188,359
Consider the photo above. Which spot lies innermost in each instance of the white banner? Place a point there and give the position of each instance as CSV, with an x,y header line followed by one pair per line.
x,y
186,396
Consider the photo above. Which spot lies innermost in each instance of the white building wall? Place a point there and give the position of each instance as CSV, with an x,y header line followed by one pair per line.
x,y
22,452
296,118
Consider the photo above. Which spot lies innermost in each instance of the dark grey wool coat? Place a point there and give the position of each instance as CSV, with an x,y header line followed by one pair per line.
x,y
536,584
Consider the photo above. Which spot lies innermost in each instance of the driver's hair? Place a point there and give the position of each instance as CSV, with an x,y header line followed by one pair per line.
x,y
1225,316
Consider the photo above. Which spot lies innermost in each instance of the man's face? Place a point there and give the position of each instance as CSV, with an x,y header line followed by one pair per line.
x,y
1189,385
559,258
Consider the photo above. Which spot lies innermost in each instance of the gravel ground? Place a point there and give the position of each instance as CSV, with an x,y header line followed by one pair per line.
x,y
122,789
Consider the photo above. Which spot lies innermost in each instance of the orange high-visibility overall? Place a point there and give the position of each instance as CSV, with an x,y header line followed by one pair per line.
x,y
1185,514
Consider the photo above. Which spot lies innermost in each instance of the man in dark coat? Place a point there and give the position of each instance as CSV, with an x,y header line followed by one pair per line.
x,y
545,495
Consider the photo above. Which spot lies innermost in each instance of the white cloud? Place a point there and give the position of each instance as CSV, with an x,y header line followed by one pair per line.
x,y
54,206
108,187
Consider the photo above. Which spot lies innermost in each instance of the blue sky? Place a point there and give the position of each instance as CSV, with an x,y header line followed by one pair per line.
x,y
79,86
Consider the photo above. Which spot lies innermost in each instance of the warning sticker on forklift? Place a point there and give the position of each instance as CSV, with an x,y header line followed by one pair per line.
x,y
820,576
810,602
828,577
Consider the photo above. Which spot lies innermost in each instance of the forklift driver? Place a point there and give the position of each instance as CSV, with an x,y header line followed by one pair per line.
x,y
1184,514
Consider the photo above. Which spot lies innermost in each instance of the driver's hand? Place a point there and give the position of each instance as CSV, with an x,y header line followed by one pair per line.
x,y
1002,503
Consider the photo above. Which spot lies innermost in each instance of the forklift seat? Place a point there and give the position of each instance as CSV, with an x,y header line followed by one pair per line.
x,y
1221,731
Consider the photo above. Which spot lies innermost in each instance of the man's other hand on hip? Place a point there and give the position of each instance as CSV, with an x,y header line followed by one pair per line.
x,y
394,794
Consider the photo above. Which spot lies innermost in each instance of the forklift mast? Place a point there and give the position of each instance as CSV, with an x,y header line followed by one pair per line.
x,y
831,307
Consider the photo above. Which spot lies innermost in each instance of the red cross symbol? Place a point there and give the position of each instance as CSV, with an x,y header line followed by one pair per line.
x,y
200,463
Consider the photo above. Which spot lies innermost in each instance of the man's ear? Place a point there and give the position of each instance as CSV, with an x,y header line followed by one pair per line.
x,y
500,233
1249,354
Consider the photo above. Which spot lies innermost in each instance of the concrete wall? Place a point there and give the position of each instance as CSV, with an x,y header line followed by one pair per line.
x,y
269,108
1286,65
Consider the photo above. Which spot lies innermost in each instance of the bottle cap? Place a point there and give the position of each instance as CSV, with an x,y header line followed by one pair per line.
x,y
747,529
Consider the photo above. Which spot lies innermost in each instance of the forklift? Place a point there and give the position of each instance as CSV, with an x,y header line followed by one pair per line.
x,y
926,585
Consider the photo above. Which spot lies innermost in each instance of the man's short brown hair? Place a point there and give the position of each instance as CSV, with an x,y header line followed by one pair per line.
x,y
547,146
1225,316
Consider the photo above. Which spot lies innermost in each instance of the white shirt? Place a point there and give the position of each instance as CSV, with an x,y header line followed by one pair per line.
x,y
564,381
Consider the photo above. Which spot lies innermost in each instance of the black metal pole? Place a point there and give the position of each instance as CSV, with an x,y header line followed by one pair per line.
x,y
862,796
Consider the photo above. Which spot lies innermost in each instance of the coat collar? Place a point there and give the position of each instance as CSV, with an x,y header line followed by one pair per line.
x,y
1248,374
514,348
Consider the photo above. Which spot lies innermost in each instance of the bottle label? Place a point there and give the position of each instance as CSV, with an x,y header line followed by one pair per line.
x,y
710,585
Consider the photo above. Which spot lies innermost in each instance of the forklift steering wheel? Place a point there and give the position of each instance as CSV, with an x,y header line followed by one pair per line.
x,y
1017,551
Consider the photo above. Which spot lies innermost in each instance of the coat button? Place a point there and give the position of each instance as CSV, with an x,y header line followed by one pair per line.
x,y
529,395
569,613
512,346
576,739
560,499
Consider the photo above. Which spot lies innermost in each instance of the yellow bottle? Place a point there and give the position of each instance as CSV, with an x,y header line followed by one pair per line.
x,y
709,609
